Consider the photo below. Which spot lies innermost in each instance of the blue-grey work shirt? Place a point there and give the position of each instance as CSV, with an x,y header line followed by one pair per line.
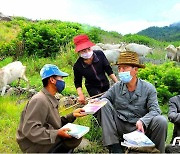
x,y
174,110
143,105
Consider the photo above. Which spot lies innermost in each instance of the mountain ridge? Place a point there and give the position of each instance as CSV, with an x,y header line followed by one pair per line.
x,y
167,33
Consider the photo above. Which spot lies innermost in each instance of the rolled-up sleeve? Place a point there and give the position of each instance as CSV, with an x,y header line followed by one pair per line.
x,y
33,127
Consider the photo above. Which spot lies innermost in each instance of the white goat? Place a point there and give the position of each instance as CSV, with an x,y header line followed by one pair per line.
x,y
110,46
171,52
112,55
140,49
178,54
111,51
96,47
10,73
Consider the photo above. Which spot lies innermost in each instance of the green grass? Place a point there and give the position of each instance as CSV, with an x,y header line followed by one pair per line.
x,y
10,113
9,119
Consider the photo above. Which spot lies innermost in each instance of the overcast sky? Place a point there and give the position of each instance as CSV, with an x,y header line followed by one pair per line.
x,y
123,16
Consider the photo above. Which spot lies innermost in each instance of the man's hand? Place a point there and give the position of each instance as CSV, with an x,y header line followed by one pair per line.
x,y
79,112
63,133
139,126
81,99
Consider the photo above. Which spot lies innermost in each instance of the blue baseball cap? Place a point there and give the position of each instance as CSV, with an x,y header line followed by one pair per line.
x,y
50,69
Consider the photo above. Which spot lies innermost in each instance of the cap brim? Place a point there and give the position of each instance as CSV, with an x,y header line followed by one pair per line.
x,y
84,46
63,74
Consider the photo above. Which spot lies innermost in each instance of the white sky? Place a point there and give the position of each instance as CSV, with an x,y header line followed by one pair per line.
x,y
123,16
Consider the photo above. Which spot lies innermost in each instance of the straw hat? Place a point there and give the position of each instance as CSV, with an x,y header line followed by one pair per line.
x,y
82,42
129,58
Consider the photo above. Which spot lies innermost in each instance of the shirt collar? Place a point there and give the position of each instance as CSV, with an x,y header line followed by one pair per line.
x,y
95,60
137,90
51,98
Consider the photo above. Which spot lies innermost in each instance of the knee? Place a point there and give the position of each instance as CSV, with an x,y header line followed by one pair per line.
x,y
161,121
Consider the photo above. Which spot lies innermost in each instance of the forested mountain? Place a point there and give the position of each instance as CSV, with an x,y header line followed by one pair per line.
x,y
167,33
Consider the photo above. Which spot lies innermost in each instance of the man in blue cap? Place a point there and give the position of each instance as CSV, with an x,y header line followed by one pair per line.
x,y
40,125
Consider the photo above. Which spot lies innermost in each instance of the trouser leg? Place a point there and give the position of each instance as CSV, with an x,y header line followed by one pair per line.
x,y
60,148
176,132
109,129
157,132
178,129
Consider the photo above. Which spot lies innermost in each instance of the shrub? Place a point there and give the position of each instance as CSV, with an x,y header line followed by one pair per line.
x,y
164,77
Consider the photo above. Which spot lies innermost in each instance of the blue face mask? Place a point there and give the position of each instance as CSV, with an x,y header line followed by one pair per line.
x,y
125,77
60,85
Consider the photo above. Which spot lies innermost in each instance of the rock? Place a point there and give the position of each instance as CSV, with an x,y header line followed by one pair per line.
x,y
67,101
172,149
11,91
5,18
85,143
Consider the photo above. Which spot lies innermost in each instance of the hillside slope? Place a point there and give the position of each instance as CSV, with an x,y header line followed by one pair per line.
x,y
168,33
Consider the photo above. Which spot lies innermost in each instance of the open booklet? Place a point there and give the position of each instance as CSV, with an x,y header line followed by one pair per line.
x,y
136,139
92,108
76,130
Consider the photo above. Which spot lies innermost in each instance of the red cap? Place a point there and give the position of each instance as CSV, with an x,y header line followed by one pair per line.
x,y
82,42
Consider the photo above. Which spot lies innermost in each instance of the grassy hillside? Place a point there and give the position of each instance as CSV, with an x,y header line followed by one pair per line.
x,y
20,37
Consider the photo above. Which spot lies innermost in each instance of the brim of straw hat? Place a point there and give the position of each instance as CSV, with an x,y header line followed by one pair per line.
x,y
132,64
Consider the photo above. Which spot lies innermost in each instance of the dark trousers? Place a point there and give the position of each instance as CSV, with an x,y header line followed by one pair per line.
x,y
176,131
113,128
60,148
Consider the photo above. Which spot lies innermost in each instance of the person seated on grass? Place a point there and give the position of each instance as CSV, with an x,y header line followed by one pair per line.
x,y
174,115
40,124
132,104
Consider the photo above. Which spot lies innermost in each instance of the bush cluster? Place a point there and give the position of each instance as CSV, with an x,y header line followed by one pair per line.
x,y
44,38
165,78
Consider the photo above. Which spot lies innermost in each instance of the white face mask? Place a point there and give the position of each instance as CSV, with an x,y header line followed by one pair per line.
x,y
87,55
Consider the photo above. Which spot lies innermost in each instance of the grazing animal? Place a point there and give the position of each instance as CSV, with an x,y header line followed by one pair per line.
x,y
110,46
178,54
96,47
140,49
10,73
171,52
111,51
112,55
